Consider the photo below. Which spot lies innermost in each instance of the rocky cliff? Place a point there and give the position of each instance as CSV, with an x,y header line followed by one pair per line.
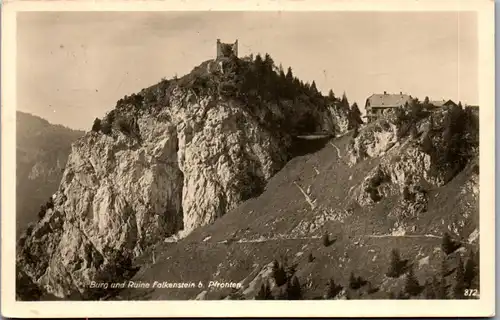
x,y
42,152
165,161
333,217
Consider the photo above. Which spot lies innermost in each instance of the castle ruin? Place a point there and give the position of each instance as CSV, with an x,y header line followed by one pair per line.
x,y
226,50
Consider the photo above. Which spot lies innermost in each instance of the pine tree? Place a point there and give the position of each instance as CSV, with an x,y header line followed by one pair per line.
x,y
470,271
355,116
290,271
280,69
354,282
264,292
332,289
289,75
447,245
459,287
444,268
344,101
313,87
442,292
412,287
331,95
430,292
279,274
438,289
42,211
96,127
268,62
395,267
293,289
325,239
310,258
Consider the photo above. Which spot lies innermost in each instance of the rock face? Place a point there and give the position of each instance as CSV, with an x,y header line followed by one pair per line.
x,y
148,172
338,213
411,163
42,152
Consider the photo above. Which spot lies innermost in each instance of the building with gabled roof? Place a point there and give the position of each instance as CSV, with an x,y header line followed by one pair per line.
x,y
377,104
437,104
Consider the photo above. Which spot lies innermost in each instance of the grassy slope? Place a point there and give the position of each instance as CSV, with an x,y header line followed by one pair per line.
x,y
277,212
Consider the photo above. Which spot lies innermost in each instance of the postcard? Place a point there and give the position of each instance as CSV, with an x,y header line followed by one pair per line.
x,y
193,158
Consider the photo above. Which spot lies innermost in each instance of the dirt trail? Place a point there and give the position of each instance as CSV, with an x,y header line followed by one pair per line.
x,y
337,148
402,236
260,240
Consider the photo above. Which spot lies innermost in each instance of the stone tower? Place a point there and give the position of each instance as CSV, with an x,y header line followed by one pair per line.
x,y
227,49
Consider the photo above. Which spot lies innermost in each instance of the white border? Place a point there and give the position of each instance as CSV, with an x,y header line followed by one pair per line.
x,y
485,306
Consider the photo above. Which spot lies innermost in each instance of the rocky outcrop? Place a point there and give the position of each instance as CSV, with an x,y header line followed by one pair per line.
x,y
412,158
155,171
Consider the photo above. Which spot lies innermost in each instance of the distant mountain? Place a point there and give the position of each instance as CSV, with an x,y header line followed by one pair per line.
x,y
42,152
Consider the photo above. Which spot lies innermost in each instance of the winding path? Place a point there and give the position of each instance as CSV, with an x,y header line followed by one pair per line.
x,y
260,240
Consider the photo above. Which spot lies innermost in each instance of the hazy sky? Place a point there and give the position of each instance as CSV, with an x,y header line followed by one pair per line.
x,y
74,66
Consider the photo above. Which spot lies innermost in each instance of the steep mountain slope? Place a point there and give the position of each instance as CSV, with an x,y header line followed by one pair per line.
x,y
42,151
385,187
174,157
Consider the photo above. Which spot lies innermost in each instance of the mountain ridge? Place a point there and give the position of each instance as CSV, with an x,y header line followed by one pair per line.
x,y
42,150
186,155
176,156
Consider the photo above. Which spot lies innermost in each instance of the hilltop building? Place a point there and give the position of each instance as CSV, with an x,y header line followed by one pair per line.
x,y
226,50
436,104
377,104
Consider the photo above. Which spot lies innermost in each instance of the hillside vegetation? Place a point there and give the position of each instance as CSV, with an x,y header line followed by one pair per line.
x,y
213,176
336,232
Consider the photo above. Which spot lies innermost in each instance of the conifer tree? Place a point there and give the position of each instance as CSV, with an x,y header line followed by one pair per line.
x,y
395,267
278,273
289,75
268,62
264,292
313,87
293,289
332,289
325,239
355,282
442,291
437,288
459,287
429,290
444,268
470,271
355,116
426,101
447,244
96,127
310,257
412,287
331,95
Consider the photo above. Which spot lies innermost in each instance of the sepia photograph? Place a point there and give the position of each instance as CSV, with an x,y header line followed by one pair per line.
x,y
249,154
